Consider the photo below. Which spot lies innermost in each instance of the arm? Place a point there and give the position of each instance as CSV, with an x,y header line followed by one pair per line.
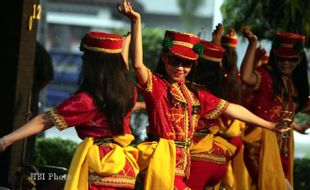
x,y
34,126
239,112
247,65
301,128
259,55
125,48
136,50
217,34
139,106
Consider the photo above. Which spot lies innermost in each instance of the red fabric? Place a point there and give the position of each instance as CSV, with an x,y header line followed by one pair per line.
x,y
212,50
81,112
179,49
266,106
179,183
103,40
263,103
166,109
287,41
237,142
230,41
205,174
171,112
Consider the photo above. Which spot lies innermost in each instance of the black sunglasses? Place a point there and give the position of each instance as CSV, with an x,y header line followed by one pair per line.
x,y
177,62
290,59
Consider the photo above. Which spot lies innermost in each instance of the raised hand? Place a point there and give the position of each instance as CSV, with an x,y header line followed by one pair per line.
x,y
247,32
217,34
126,9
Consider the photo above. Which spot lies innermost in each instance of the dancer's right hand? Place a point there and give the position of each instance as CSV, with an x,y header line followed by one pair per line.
x,y
127,10
247,32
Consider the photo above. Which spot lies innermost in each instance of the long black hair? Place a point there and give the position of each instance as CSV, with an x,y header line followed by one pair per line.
x,y
210,75
232,82
106,78
299,78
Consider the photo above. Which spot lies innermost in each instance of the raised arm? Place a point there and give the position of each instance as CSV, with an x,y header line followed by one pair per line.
x,y
247,65
241,113
217,34
136,50
34,126
125,48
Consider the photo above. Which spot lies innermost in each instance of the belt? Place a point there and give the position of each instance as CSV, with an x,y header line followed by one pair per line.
x,y
100,141
183,144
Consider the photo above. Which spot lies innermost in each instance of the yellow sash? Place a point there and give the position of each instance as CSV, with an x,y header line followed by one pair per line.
x,y
87,157
237,176
271,176
206,143
160,157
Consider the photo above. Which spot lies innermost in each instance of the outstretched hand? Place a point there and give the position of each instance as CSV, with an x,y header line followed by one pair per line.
x,y
3,144
217,34
283,125
126,9
247,32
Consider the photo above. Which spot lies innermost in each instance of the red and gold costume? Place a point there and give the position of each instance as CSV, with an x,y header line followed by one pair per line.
x,y
102,160
268,156
211,153
173,112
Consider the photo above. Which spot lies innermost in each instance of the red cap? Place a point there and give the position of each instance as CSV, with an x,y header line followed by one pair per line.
x,y
288,44
230,39
211,51
103,42
181,44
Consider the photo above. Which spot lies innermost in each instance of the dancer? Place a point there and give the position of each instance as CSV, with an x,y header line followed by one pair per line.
x,y
281,88
100,112
174,105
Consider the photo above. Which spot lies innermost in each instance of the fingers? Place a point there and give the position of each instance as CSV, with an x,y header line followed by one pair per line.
x,y
123,8
284,130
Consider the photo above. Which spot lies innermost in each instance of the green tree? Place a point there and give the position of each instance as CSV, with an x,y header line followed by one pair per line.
x,y
188,10
268,16
54,152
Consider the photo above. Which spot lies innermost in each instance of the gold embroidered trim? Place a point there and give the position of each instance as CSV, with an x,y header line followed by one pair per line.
x,y
221,107
57,119
230,45
185,57
149,83
286,45
105,38
113,181
195,101
180,43
186,125
179,172
177,93
218,159
211,58
104,50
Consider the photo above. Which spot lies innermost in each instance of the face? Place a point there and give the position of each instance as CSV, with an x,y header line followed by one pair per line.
x,y
287,65
177,68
